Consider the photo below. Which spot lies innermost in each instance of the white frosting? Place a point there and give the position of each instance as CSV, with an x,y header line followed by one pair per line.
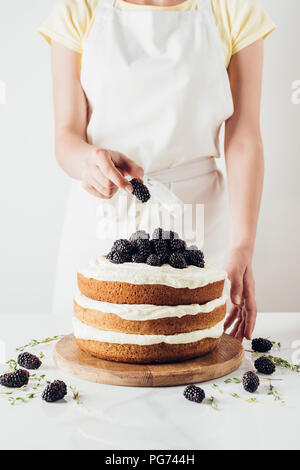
x,y
191,277
148,312
86,332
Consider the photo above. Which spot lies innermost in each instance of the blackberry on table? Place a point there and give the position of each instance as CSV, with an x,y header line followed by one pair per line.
x,y
137,258
15,379
140,191
139,235
250,382
154,260
193,393
176,244
264,365
123,246
29,361
55,391
261,345
143,247
178,261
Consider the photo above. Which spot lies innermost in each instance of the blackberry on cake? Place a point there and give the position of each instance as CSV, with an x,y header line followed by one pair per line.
x,y
193,393
161,247
140,191
143,247
178,261
136,258
123,246
250,382
176,244
264,365
154,260
15,379
119,258
57,390
194,258
261,345
29,361
139,235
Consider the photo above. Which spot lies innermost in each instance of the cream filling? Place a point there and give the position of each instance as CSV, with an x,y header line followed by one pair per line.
x,y
191,277
147,312
86,332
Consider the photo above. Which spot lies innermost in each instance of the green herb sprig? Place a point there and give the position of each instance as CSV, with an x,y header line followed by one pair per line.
x,y
35,342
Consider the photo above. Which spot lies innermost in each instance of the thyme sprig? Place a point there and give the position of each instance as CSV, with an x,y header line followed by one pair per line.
x,y
213,403
232,380
35,342
279,361
234,395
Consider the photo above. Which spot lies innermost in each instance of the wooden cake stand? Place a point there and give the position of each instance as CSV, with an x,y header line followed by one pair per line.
x,y
226,358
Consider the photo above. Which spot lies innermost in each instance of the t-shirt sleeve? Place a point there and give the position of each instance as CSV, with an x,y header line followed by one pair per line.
x,y
248,23
69,23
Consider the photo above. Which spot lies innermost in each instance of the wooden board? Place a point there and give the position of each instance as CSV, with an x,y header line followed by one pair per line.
x,y
225,359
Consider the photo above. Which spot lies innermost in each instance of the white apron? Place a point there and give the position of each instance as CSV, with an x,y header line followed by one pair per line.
x,y
158,91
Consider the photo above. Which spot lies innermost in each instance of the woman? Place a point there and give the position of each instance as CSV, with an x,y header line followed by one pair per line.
x,y
143,87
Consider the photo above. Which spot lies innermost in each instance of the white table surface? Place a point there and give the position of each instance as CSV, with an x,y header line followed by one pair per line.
x,y
151,418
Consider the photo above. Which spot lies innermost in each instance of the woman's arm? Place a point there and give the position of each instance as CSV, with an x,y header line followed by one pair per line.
x,y
245,172
101,171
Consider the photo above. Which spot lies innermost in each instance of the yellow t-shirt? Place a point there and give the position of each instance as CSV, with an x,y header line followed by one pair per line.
x,y
239,22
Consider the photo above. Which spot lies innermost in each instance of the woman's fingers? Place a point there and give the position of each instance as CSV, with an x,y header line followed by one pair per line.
x,y
236,278
237,323
239,334
234,311
91,190
250,303
130,168
106,164
106,191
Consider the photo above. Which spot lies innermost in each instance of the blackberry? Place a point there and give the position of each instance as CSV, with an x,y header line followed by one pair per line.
x,y
264,365
143,247
250,382
194,258
177,260
140,191
136,258
55,391
176,244
139,235
161,247
193,393
119,258
15,379
110,255
123,246
29,361
261,345
154,260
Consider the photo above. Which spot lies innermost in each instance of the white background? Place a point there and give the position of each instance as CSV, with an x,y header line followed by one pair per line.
x,y
33,189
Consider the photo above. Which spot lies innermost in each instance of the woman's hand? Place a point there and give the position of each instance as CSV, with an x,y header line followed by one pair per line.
x,y
104,172
242,294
